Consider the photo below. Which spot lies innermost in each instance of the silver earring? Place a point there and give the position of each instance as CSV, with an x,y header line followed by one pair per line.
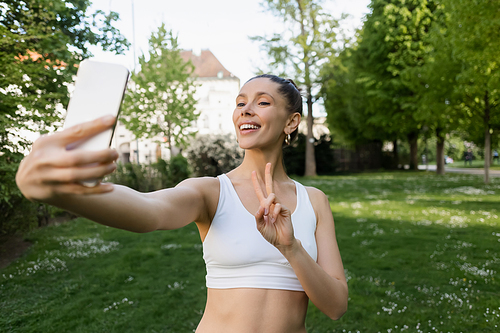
x,y
288,138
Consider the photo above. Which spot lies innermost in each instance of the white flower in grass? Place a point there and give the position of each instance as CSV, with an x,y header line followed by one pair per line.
x,y
468,190
171,246
357,205
115,305
176,285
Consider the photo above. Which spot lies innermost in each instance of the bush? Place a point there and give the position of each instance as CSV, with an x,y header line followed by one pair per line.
x,y
151,177
178,169
212,155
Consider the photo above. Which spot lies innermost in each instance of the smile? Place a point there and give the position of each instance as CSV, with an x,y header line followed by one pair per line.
x,y
248,126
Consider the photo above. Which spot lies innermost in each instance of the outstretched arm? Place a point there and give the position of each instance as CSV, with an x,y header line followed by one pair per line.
x,y
323,281
51,174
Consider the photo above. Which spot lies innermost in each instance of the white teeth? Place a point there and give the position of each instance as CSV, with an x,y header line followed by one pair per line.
x,y
248,126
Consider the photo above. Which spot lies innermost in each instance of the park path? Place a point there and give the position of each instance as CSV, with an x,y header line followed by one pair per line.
x,y
469,171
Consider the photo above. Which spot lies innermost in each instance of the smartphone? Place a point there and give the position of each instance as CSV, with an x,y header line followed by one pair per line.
x,y
99,91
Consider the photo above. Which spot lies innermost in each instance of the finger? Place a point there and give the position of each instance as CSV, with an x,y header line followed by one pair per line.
x,y
268,204
269,179
276,212
80,189
259,216
78,174
83,130
257,188
77,157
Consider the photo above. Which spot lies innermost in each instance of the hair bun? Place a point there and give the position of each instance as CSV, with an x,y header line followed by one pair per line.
x,y
293,83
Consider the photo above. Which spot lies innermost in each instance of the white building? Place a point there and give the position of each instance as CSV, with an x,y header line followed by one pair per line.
x,y
216,93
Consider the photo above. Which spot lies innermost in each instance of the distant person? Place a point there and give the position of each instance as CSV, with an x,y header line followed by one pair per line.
x,y
468,156
495,157
268,242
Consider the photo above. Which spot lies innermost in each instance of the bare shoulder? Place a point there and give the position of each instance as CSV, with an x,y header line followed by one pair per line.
x,y
207,191
205,185
318,198
320,203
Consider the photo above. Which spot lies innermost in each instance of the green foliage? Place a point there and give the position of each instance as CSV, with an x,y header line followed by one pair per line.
x,y
160,98
458,83
472,27
420,251
178,169
151,177
41,43
346,100
309,38
368,95
212,155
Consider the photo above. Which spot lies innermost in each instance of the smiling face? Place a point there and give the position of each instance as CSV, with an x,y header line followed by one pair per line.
x,y
261,117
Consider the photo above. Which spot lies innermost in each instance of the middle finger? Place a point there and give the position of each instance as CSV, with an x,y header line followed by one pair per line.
x,y
78,157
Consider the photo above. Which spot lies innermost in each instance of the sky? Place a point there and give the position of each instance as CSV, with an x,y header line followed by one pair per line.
x,y
222,26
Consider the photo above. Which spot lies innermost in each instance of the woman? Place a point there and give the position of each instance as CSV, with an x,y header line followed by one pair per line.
x,y
268,242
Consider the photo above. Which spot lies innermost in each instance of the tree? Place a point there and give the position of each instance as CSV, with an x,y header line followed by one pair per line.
x,y
41,42
473,28
308,40
346,101
368,81
394,38
161,98
439,107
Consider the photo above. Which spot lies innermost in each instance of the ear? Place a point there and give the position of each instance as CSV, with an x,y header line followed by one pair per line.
x,y
292,123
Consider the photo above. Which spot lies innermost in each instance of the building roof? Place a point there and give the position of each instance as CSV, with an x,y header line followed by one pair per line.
x,y
206,64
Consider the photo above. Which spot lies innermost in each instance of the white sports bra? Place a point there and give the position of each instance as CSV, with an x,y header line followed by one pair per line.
x,y
237,256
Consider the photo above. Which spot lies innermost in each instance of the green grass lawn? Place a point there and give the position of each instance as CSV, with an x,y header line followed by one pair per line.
x,y
421,253
475,164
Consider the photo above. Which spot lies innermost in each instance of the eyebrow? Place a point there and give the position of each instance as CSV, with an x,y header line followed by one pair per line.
x,y
260,93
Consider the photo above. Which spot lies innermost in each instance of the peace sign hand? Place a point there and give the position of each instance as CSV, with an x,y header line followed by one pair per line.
x,y
274,221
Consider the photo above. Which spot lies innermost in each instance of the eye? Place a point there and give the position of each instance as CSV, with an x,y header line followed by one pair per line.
x,y
264,103
240,105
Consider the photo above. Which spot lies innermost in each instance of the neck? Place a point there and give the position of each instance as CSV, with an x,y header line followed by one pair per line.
x,y
256,160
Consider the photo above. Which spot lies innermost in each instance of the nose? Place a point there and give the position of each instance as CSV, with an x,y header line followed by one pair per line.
x,y
246,110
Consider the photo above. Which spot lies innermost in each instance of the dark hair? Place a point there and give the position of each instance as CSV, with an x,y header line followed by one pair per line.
x,y
289,90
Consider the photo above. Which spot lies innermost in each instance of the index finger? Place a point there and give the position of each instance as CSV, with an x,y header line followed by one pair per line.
x,y
83,130
269,179
256,187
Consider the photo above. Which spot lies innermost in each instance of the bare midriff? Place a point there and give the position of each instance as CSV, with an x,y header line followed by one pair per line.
x,y
249,310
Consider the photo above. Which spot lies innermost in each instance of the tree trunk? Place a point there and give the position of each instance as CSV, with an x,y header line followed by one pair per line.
x,y
487,139
440,152
310,157
413,141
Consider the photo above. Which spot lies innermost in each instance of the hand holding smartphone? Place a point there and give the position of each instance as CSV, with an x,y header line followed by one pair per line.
x,y
99,91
